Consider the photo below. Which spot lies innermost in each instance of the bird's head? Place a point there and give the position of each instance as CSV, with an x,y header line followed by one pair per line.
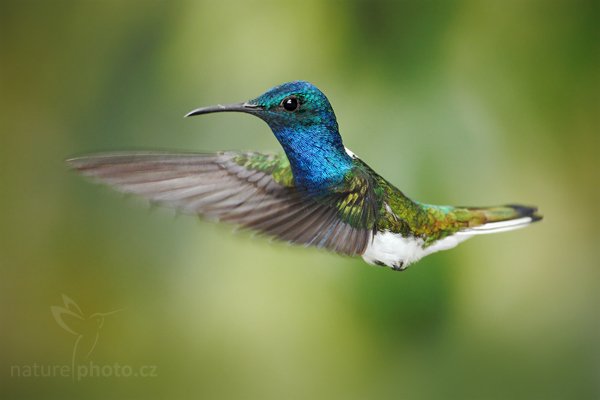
x,y
297,104
304,123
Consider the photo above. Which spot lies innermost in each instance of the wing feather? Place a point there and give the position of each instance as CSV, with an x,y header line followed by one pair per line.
x,y
242,188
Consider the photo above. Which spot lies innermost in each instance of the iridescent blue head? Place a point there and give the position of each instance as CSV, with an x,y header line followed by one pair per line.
x,y
304,123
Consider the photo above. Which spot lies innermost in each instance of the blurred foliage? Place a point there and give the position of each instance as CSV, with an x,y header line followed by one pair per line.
x,y
457,102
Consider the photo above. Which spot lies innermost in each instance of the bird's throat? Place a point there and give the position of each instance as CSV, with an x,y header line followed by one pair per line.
x,y
317,156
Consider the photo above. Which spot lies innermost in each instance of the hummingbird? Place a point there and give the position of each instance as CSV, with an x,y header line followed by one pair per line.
x,y
316,193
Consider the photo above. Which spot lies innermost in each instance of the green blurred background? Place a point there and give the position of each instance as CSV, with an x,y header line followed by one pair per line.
x,y
456,102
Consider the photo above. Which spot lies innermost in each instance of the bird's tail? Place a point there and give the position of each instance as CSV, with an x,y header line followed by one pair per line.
x,y
496,219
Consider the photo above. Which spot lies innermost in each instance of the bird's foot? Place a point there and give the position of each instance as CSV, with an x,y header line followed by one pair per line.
x,y
399,266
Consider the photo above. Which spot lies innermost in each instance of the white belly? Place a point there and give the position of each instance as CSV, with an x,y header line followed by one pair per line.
x,y
398,252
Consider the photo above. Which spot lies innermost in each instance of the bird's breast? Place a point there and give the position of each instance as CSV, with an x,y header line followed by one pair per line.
x,y
398,252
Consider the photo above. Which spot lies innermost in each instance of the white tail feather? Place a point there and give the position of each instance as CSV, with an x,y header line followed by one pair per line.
x,y
495,227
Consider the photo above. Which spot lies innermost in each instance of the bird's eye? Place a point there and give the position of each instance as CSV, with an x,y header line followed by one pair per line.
x,y
290,103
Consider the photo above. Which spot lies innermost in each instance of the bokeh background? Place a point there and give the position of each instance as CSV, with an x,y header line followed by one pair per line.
x,y
456,102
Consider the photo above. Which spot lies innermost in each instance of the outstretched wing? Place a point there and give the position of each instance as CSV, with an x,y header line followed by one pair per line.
x,y
253,190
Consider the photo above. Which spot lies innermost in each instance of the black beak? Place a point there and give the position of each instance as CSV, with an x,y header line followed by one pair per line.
x,y
238,107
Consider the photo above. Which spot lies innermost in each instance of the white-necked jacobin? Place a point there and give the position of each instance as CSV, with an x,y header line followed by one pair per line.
x,y
316,194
